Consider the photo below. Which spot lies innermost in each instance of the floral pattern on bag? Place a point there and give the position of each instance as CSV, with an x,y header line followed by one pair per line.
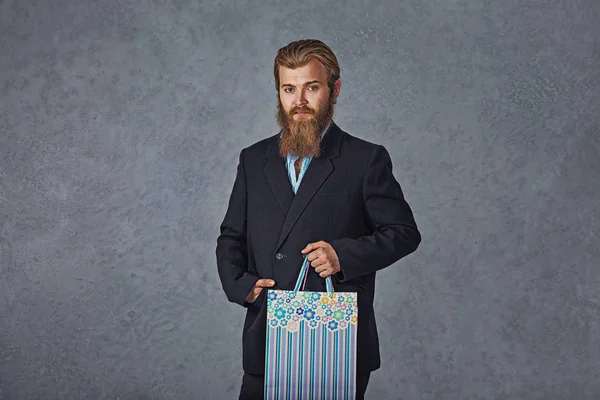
x,y
287,309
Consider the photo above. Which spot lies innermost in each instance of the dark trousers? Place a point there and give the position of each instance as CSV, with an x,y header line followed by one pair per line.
x,y
253,386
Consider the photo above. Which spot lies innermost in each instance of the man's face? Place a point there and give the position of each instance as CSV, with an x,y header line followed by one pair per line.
x,y
305,108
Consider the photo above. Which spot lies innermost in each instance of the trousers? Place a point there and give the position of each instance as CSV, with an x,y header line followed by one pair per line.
x,y
253,386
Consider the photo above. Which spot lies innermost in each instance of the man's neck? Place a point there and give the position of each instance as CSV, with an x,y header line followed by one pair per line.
x,y
297,166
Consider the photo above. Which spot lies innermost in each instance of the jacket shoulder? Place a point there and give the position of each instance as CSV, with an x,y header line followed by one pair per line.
x,y
259,149
357,145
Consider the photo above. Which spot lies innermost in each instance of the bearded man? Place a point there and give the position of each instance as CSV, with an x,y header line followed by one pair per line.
x,y
310,190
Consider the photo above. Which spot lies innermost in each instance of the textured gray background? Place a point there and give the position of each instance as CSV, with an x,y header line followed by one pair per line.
x,y
120,127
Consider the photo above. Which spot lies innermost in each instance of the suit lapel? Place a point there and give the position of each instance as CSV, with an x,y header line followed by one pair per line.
x,y
277,176
317,173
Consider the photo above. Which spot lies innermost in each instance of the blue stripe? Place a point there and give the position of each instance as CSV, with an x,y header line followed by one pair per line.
x,y
347,391
278,359
312,362
267,356
301,359
289,366
324,350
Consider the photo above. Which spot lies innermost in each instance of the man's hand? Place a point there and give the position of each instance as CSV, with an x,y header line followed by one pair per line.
x,y
257,288
322,258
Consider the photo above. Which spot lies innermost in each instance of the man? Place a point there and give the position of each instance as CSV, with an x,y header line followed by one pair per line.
x,y
312,190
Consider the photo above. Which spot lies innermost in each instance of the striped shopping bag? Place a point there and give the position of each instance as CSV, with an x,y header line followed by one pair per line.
x,y
311,343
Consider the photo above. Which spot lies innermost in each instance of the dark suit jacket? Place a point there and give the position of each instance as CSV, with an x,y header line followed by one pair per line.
x,y
348,198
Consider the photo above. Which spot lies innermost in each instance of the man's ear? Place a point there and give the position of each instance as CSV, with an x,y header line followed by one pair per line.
x,y
337,85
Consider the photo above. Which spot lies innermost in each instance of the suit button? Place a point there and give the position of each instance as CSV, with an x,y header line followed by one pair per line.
x,y
279,256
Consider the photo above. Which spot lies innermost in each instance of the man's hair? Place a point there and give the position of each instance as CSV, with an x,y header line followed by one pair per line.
x,y
299,53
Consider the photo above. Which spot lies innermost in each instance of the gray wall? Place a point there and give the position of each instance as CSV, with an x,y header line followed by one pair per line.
x,y
120,127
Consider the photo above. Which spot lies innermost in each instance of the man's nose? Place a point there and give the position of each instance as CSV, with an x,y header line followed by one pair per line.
x,y
300,99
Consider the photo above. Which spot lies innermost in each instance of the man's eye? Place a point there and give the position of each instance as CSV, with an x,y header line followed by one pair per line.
x,y
287,90
313,87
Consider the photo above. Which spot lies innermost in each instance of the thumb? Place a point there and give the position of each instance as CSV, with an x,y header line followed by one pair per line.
x,y
265,283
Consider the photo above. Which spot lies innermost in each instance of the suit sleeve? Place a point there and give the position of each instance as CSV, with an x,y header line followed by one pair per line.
x,y
394,230
231,252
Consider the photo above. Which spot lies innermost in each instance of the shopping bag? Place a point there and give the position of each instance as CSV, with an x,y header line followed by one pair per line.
x,y
311,343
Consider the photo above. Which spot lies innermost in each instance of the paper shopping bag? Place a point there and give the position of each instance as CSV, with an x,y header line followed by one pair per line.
x,y
311,343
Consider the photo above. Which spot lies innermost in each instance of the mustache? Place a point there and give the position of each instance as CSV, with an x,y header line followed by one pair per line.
x,y
294,110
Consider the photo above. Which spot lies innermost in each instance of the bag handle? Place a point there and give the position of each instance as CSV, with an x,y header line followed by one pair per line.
x,y
301,281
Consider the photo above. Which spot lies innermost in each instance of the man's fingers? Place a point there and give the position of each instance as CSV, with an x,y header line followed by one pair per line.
x,y
316,254
261,283
257,288
318,261
252,296
322,267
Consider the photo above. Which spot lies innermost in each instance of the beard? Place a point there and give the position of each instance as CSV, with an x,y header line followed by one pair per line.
x,y
302,137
